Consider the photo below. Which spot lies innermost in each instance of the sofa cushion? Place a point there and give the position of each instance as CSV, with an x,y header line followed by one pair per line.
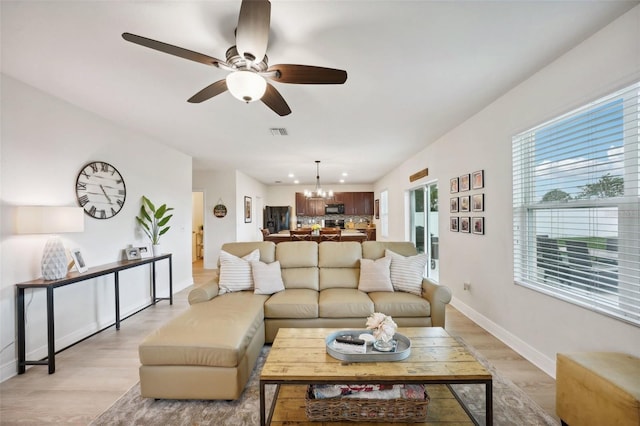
x,y
375,275
267,277
339,264
400,304
235,272
407,272
344,303
267,249
299,264
376,249
216,333
292,303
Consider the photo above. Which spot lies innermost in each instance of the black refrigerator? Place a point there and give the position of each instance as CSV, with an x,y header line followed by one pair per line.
x,y
276,218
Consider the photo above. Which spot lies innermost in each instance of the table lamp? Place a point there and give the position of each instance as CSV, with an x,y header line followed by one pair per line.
x,y
50,220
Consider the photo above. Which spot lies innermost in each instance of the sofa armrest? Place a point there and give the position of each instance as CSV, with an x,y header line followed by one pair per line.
x,y
204,292
438,296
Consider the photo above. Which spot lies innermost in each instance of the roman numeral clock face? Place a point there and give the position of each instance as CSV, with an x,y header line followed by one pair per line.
x,y
100,190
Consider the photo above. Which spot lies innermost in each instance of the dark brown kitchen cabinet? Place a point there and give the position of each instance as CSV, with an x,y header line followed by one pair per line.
x,y
363,203
345,198
309,207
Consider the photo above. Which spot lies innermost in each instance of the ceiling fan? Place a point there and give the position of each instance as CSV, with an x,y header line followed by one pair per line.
x,y
248,64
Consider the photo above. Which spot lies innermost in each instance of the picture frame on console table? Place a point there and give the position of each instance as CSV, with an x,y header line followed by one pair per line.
x,y
78,260
145,252
133,253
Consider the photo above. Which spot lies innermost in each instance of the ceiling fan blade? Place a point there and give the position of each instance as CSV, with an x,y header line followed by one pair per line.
x,y
209,92
172,50
252,35
307,74
274,100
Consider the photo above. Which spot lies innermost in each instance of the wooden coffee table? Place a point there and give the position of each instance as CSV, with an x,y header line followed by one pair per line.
x,y
298,357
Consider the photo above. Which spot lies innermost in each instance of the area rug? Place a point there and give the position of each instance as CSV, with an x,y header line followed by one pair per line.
x,y
511,406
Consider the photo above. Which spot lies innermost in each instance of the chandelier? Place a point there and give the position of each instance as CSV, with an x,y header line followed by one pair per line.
x,y
318,192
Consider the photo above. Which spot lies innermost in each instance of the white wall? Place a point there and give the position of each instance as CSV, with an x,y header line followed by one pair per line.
x,y
536,325
45,142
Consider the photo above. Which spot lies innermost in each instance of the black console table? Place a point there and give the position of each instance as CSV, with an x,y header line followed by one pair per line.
x,y
71,278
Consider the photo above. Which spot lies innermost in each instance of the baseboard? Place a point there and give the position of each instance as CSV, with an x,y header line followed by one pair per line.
x,y
530,353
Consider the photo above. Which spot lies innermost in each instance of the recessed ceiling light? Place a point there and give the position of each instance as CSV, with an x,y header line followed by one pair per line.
x,y
345,174
341,180
290,175
296,181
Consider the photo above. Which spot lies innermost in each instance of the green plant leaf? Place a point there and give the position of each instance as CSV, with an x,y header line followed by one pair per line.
x,y
164,221
148,202
164,231
160,212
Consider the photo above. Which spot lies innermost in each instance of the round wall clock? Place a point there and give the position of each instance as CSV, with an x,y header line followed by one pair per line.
x,y
100,190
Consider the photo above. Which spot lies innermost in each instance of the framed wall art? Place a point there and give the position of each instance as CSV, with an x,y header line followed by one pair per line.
x,y
477,202
453,205
376,208
477,179
478,225
453,185
465,224
453,224
464,182
247,209
465,203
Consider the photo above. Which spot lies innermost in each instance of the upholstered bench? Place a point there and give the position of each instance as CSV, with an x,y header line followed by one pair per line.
x,y
598,388
207,352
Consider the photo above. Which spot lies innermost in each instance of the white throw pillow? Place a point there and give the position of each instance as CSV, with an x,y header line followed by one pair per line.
x,y
407,272
235,272
267,277
375,275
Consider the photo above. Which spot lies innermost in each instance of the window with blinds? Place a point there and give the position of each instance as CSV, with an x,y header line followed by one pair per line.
x,y
576,206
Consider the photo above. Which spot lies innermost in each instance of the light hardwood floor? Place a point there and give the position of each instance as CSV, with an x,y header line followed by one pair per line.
x,y
93,374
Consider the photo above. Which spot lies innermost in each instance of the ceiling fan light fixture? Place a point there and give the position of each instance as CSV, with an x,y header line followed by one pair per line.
x,y
246,86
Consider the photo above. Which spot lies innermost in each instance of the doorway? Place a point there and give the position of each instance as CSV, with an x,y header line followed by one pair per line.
x,y
424,225
197,221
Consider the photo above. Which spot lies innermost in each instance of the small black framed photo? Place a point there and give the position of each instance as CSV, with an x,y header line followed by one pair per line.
x,y
465,224
453,205
478,225
453,185
453,224
464,182
477,179
78,260
145,252
477,202
133,253
465,203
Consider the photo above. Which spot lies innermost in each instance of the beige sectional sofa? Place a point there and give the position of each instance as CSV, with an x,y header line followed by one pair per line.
x,y
209,351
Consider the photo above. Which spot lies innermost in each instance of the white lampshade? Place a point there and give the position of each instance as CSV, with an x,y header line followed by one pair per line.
x,y
50,220
246,86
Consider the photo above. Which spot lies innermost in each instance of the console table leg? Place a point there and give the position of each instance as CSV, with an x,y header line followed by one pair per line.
x,y
51,335
153,280
117,294
489,402
22,357
170,281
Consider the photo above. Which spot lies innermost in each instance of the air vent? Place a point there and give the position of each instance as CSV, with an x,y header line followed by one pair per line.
x,y
278,131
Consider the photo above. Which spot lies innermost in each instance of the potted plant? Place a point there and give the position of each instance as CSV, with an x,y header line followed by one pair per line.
x,y
154,222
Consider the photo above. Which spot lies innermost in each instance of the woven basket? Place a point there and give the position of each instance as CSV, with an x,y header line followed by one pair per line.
x,y
369,410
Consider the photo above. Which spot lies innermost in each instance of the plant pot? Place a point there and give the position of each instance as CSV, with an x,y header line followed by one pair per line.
x,y
157,249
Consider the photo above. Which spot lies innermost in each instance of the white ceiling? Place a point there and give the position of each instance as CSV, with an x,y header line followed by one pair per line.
x,y
416,69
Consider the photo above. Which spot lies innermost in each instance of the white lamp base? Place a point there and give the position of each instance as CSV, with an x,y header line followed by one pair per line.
x,y
54,260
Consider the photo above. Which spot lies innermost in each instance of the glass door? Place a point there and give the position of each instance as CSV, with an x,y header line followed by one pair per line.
x,y
424,225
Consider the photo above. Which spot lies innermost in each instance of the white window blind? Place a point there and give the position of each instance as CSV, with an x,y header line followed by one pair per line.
x,y
576,206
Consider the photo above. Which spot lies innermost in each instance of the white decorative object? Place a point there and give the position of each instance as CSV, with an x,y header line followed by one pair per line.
x,y
157,249
384,328
54,260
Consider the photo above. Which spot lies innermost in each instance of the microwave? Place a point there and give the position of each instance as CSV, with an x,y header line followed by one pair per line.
x,y
334,209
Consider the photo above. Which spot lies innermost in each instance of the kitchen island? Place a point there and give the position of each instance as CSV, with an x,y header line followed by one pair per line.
x,y
347,235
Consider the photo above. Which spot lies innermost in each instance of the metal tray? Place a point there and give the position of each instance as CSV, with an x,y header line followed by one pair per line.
x,y
402,350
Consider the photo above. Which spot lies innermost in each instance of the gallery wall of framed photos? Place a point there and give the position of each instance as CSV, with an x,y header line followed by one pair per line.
x,y
466,203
